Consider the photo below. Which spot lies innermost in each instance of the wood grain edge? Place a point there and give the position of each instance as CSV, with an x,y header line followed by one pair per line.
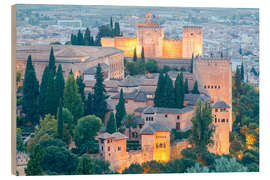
x,y
13,89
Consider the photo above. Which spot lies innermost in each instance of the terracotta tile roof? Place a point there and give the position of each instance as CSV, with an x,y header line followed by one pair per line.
x,y
116,136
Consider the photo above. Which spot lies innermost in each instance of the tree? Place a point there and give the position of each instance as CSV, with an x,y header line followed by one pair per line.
x,y
129,122
226,164
87,37
195,89
198,168
30,94
192,59
72,99
60,122
201,132
134,55
19,141
111,126
51,100
111,23
168,95
59,84
51,142
153,167
99,97
58,160
68,120
142,53
34,164
52,66
85,165
117,29
86,130
18,76
242,72
186,86
151,66
89,104
101,166
178,165
179,91
43,91
159,99
134,168
80,40
81,87
120,109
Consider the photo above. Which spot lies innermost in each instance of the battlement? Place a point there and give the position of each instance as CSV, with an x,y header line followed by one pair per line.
x,y
149,26
209,60
192,29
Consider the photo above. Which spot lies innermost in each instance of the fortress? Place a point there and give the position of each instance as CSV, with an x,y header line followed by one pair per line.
x,y
150,36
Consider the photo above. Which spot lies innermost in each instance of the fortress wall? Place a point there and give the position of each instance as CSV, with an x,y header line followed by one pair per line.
x,y
127,44
172,49
107,42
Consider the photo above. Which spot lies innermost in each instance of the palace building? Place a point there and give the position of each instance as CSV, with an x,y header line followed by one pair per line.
x,y
150,36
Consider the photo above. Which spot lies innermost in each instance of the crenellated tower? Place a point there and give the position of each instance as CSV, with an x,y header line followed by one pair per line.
x,y
192,41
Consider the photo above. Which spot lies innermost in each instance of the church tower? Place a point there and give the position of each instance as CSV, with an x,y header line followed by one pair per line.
x,y
150,36
192,41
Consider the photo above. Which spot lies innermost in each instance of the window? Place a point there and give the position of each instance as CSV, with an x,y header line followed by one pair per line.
x,y
178,126
101,148
208,87
156,145
164,145
215,87
218,120
178,117
227,120
152,118
140,125
223,120
218,86
146,119
212,87
216,110
204,86
119,148
109,148
166,115
108,141
160,145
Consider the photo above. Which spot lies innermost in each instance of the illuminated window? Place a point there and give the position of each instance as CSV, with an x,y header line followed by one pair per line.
x,y
160,145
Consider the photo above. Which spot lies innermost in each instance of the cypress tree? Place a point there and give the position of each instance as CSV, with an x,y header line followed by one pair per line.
x,y
59,83
117,29
34,164
81,87
80,38
30,94
201,132
186,86
195,89
51,100
142,54
179,91
120,110
52,66
60,122
159,99
87,37
111,124
89,104
111,24
72,99
242,72
99,97
169,93
135,55
238,79
43,91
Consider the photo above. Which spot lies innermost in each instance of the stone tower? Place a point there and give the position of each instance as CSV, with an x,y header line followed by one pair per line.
x,y
150,36
221,115
214,76
192,41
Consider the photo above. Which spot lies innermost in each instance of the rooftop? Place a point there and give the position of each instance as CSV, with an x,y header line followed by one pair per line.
x,y
220,104
64,53
152,110
116,136
151,128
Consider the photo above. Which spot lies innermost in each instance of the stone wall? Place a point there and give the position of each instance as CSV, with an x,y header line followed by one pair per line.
x,y
177,147
172,49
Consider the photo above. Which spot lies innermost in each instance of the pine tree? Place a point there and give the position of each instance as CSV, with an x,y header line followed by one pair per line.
x,y
135,55
60,122
169,93
59,83
242,72
81,87
111,124
99,97
43,91
72,99
34,164
51,100
80,38
52,66
30,94
87,37
89,104
120,110
142,54
179,91
195,89
186,86
159,99
201,132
